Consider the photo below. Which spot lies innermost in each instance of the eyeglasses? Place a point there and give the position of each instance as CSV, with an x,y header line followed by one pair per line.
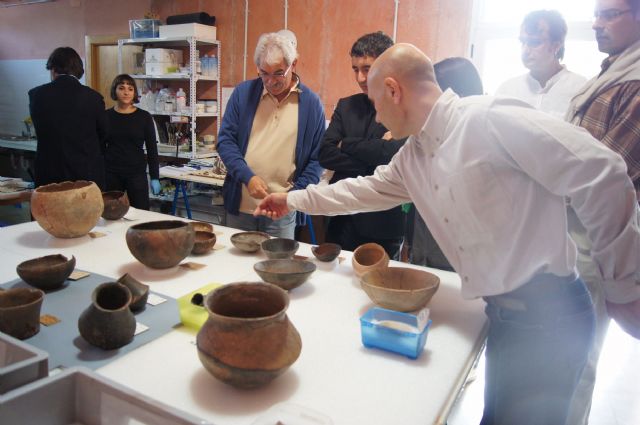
x,y
609,15
532,42
278,75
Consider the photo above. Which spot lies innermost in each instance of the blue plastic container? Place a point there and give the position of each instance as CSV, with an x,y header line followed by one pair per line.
x,y
389,330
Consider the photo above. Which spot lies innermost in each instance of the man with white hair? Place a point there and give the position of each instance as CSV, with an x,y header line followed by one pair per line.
x,y
269,138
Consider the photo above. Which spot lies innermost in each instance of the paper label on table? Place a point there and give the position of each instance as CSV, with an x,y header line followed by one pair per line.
x,y
78,274
97,234
193,266
340,260
154,299
218,247
140,328
49,320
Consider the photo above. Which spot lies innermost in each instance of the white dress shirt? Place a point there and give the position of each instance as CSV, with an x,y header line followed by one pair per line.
x,y
490,176
553,98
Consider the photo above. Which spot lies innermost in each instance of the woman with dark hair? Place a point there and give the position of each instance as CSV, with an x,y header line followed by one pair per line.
x,y
130,130
460,75
70,123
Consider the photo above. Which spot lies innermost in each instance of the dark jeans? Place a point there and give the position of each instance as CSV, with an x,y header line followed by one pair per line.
x,y
538,343
136,186
342,231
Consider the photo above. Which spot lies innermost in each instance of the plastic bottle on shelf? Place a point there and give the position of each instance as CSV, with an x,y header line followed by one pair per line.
x,y
213,63
181,100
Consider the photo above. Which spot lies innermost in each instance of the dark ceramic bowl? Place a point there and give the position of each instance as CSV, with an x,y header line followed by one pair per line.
x,y
116,205
20,312
139,292
204,242
202,226
160,244
48,272
280,248
400,288
326,251
248,241
287,274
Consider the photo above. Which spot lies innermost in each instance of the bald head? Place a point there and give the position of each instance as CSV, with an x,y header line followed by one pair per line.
x,y
405,63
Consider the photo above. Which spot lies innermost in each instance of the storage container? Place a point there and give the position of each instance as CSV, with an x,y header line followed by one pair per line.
x,y
390,330
199,31
144,28
77,395
20,363
160,68
163,55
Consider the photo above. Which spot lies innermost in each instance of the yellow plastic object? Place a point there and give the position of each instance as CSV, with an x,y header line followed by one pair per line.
x,y
192,315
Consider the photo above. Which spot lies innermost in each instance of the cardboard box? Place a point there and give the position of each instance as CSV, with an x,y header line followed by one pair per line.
x,y
163,55
160,68
206,32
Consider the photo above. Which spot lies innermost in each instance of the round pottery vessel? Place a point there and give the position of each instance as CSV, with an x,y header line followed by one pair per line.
x,y
108,323
47,273
286,273
68,209
202,226
248,340
139,292
326,251
116,205
280,248
20,312
400,288
204,242
249,241
367,257
160,244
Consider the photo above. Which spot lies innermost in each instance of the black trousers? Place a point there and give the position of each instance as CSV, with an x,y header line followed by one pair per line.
x,y
136,186
342,231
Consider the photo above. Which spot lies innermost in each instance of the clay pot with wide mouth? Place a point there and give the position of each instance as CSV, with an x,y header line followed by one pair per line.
x,y
20,312
116,205
47,273
204,242
248,340
67,209
368,257
160,244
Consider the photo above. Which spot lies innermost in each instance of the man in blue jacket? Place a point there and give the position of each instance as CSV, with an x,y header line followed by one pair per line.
x,y
269,138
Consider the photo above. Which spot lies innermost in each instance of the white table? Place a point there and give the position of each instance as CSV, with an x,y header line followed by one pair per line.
x,y
334,375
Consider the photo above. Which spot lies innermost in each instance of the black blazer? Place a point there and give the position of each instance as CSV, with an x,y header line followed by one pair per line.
x,y
71,127
361,151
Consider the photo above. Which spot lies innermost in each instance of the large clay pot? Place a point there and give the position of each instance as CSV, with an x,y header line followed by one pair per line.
x,y
248,340
367,257
20,312
160,244
67,209
116,205
108,323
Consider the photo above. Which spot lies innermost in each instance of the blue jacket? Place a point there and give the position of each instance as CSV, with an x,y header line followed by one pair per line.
x,y
235,129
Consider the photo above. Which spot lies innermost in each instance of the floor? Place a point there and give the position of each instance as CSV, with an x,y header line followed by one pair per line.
x,y
616,398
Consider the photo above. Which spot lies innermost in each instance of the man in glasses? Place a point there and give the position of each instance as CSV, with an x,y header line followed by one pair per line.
x,y
608,106
354,145
269,137
549,85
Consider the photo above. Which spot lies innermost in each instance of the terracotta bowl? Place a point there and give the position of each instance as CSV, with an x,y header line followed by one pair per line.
x,y
400,288
116,205
326,251
287,274
68,209
20,312
280,248
139,292
47,273
367,257
160,244
202,226
204,242
248,241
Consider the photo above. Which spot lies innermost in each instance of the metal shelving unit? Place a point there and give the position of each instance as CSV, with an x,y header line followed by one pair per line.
x,y
192,43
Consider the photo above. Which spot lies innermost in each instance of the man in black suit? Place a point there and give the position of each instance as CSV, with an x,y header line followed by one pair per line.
x,y
354,145
70,124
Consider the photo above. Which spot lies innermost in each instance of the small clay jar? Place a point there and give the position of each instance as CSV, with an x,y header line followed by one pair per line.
x,y
116,204
139,292
369,256
108,323
248,340
20,312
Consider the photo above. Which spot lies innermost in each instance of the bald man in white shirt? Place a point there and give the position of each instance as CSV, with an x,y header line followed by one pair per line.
x,y
495,202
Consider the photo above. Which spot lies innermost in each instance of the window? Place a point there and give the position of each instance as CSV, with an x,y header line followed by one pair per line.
x,y
496,49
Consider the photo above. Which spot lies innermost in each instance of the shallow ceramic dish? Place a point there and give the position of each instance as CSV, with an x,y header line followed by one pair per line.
x,y
116,205
287,274
326,251
280,248
204,242
248,241
47,273
400,288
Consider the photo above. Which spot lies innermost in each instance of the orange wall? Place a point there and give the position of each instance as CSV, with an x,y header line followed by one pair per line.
x,y
326,29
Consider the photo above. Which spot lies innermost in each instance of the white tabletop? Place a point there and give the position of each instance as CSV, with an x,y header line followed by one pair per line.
x,y
335,374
